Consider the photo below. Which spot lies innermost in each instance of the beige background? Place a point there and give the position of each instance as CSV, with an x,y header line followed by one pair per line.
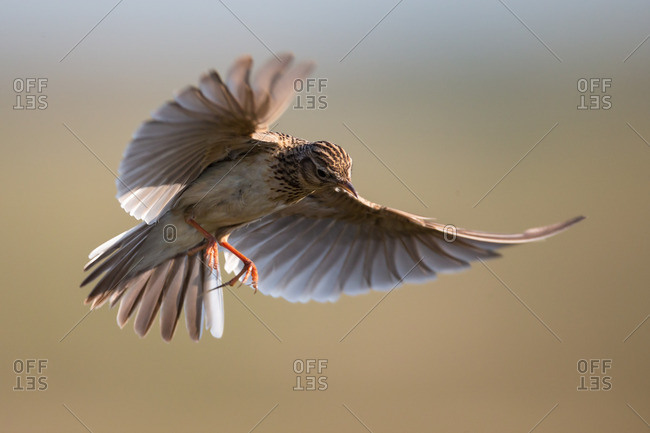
x,y
450,97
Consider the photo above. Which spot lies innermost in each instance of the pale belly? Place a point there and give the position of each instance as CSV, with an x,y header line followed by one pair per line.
x,y
229,194
225,197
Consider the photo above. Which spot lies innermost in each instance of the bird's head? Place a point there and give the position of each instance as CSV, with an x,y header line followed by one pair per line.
x,y
326,165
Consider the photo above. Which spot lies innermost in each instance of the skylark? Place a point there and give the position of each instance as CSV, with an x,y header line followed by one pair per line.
x,y
205,172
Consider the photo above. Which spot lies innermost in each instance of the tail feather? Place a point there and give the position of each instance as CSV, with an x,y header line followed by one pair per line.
x,y
151,298
143,292
111,244
119,259
172,302
132,293
194,300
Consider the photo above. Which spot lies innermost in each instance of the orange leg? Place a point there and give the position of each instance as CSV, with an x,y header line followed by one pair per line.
x,y
211,249
249,269
212,256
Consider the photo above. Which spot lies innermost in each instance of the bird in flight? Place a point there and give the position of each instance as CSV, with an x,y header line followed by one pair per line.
x,y
206,172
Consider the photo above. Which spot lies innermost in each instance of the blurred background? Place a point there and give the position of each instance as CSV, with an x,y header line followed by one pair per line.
x,y
554,336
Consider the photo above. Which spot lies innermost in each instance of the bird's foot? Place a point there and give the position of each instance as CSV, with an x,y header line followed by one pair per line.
x,y
249,269
212,254
211,248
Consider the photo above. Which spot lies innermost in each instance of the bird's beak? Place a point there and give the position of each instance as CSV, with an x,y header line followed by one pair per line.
x,y
347,186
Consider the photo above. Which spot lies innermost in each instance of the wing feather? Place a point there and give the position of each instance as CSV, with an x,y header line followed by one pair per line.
x,y
332,243
319,285
202,125
311,255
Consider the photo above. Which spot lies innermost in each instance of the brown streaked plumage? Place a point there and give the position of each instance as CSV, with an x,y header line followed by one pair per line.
x,y
206,171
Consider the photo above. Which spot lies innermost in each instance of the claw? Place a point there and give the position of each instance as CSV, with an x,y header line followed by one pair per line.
x,y
212,257
249,270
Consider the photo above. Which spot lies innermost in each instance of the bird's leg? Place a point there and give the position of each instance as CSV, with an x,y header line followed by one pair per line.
x,y
249,269
212,256
211,248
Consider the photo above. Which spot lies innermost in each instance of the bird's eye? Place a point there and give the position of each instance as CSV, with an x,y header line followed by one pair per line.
x,y
321,173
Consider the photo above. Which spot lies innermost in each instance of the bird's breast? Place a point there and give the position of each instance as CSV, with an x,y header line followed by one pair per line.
x,y
231,193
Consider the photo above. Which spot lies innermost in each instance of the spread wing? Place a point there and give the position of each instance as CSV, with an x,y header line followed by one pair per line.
x,y
201,126
332,243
